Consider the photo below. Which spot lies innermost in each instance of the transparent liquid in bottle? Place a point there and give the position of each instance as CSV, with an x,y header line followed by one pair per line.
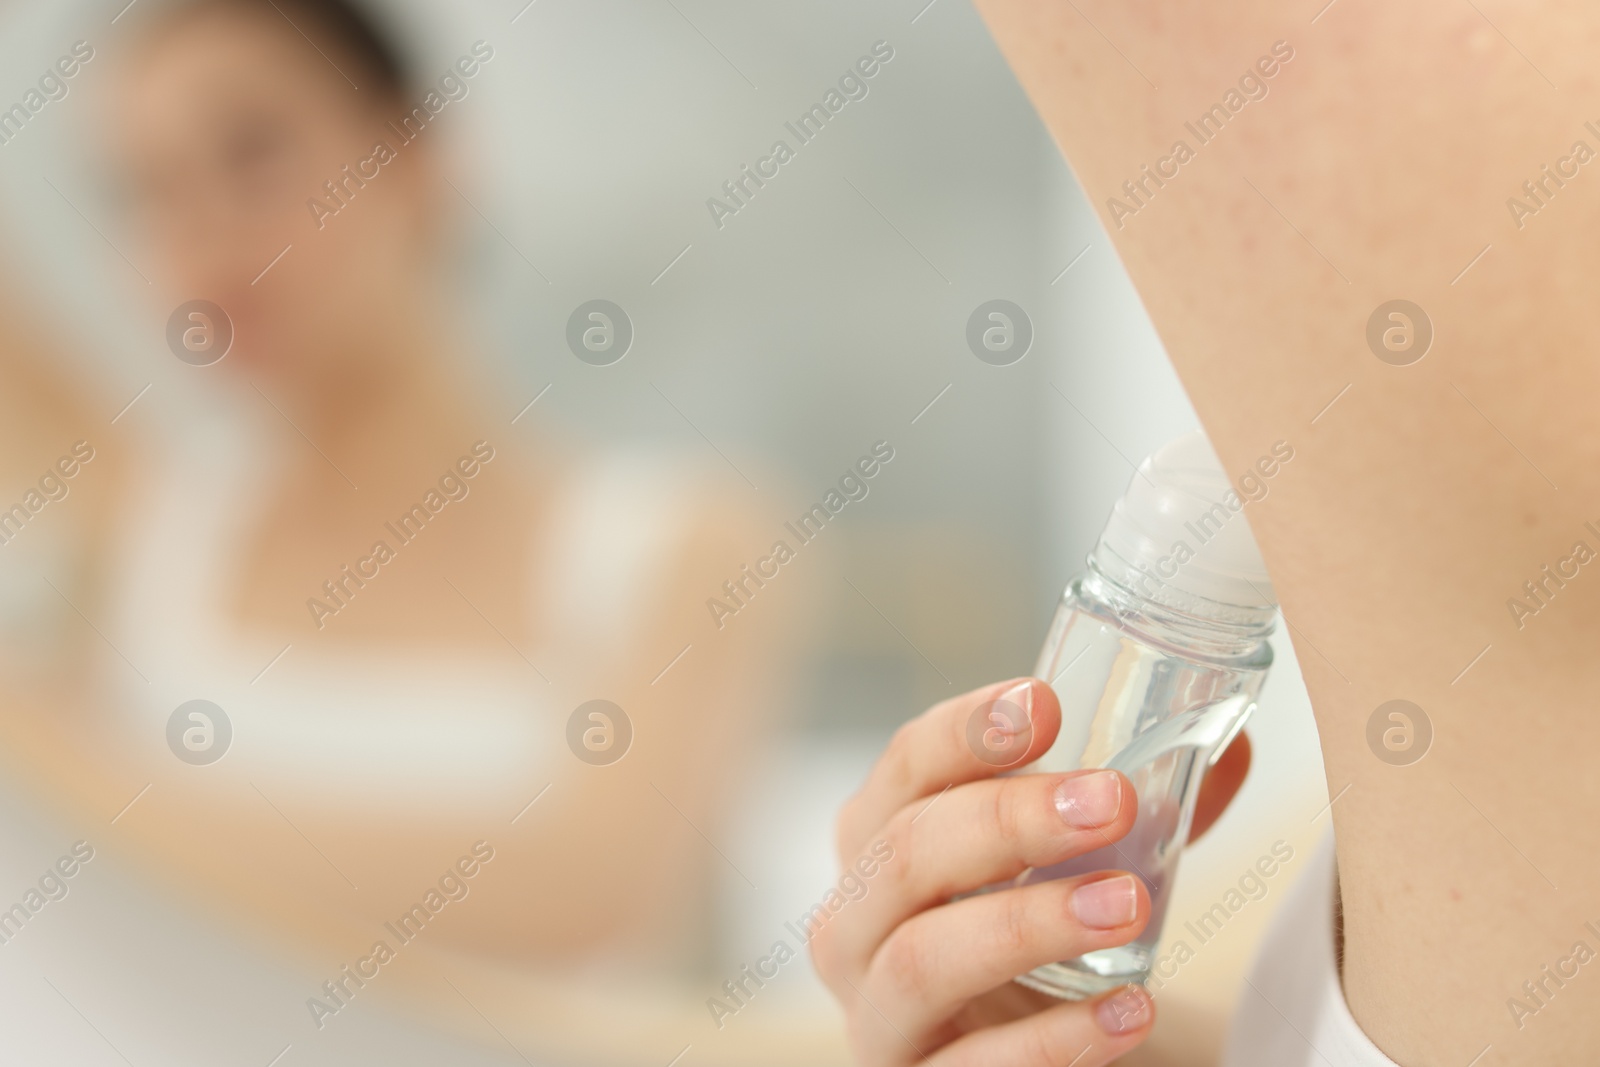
x,y
1157,667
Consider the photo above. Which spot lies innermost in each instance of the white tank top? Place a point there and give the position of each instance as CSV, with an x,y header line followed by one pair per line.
x,y
396,727
1292,1011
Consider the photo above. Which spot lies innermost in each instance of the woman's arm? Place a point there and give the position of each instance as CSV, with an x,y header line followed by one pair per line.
x,y
1378,153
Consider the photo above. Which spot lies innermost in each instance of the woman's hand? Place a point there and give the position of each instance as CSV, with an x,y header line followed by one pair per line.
x,y
926,980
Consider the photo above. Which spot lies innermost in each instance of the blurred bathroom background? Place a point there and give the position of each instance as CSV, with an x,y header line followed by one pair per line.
x,y
774,349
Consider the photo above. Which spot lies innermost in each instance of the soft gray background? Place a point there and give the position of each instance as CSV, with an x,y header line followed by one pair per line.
x,y
808,327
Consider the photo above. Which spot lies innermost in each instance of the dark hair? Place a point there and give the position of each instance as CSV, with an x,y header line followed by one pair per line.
x,y
341,26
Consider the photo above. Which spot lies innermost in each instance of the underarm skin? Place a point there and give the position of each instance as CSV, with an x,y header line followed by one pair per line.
x,y
1378,166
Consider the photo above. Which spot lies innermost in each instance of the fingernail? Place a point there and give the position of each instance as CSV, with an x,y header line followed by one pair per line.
x,y
1124,1011
1089,800
1000,731
1021,695
1106,904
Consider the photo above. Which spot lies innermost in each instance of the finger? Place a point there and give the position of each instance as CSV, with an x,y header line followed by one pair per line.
x,y
1088,1033
979,834
936,962
972,736
1222,782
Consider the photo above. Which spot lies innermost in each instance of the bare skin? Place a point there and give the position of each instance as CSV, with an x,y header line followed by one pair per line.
x,y
42,415
224,121
923,979
1377,167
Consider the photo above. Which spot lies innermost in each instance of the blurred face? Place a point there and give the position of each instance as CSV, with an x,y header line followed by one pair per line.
x,y
227,124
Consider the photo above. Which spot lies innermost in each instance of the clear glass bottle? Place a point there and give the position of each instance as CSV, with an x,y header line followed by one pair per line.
x,y
1157,653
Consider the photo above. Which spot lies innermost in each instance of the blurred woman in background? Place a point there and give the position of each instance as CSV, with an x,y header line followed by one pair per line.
x,y
392,598
57,481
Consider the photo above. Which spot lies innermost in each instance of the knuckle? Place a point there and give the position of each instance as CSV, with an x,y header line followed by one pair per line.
x,y
897,762
906,965
1039,1047
1006,812
901,838
1014,927
825,955
1040,1041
